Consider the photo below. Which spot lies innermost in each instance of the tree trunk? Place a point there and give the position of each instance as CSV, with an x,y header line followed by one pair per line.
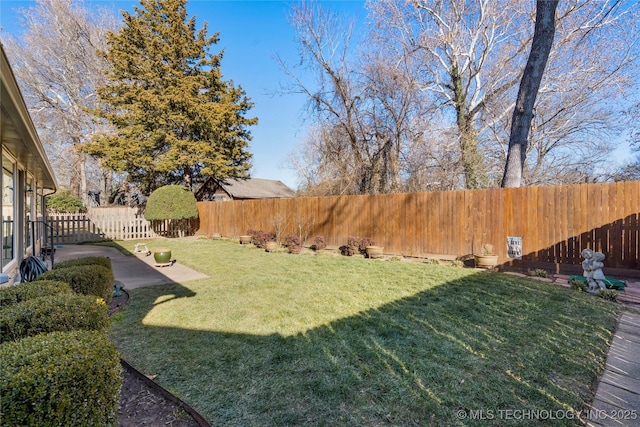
x,y
543,35
472,162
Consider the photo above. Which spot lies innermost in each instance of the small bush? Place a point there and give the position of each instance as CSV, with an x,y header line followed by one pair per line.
x,y
293,243
62,312
363,243
171,202
538,272
457,263
85,279
578,284
351,248
356,245
254,236
608,294
347,250
319,243
64,202
262,237
60,379
89,260
29,290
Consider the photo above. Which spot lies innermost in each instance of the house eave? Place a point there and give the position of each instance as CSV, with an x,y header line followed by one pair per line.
x,y
18,133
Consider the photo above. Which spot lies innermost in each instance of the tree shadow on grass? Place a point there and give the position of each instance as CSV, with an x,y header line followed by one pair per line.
x,y
474,346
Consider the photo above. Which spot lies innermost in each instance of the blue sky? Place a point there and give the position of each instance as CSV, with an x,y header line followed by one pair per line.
x,y
251,34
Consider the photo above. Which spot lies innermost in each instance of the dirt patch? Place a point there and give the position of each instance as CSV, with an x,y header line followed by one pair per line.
x,y
145,404
141,405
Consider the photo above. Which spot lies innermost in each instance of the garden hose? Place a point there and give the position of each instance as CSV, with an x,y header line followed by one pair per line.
x,y
31,268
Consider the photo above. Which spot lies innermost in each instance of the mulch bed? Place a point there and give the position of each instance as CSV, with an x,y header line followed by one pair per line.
x,y
145,403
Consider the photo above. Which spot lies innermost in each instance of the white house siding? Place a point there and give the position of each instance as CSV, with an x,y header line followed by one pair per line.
x,y
27,177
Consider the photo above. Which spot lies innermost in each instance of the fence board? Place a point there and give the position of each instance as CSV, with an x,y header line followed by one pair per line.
x,y
555,223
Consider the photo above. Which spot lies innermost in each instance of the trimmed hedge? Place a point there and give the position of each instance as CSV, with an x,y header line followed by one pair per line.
x,y
62,312
85,279
89,260
60,379
171,202
29,290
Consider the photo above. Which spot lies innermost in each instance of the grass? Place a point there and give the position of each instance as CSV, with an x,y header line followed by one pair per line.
x,y
279,339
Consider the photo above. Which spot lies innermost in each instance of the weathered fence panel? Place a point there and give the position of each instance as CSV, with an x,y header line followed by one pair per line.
x,y
73,228
114,222
121,222
555,223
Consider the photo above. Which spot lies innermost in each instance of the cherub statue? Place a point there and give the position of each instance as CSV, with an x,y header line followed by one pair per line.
x,y
597,275
587,254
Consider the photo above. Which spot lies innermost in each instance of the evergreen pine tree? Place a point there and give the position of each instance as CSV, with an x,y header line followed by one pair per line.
x,y
176,120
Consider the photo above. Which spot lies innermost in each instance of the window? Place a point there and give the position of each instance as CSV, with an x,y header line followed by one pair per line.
x,y
8,209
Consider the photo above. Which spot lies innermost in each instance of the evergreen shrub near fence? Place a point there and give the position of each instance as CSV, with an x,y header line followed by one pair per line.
x,y
60,379
85,279
29,290
62,312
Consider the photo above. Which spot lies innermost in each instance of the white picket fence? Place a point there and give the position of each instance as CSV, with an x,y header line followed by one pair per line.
x,y
118,223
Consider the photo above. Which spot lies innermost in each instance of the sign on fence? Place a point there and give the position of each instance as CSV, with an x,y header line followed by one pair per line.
x,y
514,247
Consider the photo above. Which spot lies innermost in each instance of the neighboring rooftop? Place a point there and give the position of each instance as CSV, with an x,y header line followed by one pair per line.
x,y
242,189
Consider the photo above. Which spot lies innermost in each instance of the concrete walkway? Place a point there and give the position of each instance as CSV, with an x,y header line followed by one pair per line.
x,y
131,271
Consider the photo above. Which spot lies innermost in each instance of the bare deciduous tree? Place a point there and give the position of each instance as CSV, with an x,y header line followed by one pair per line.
x,y
545,28
578,116
58,66
457,63
469,54
362,102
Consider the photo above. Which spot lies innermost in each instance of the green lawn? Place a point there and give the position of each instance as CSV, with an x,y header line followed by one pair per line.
x,y
278,339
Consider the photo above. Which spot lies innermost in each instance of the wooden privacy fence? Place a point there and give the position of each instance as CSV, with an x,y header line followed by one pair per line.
x,y
119,222
554,223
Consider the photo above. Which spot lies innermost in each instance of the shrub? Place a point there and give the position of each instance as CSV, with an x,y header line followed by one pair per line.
x,y
363,243
486,249
347,250
538,272
29,290
351,248
60,378
62,312
262,237
578,284
293,243
171,202
608,294
85,279
254,235
356,245
64,202
319,243
457,263
89,260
